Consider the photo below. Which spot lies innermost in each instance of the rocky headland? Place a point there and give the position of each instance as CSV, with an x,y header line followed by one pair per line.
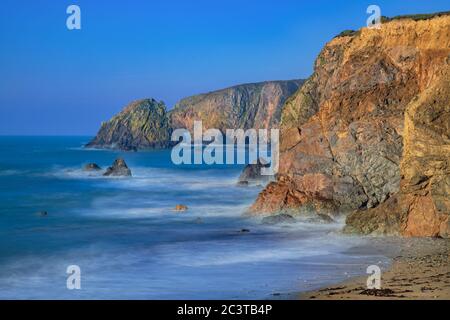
x,y
141,124
367,135
368,132
146,123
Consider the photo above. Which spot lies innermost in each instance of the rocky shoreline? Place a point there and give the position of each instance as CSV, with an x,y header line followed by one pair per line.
x,y
420,270
366,136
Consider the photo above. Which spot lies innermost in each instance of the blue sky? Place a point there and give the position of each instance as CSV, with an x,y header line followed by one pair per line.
x,y
60,82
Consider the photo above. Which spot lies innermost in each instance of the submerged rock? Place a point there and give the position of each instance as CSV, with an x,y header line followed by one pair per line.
x,y
42,213
319,218
119,168
180,208
279,218
325,218
92,167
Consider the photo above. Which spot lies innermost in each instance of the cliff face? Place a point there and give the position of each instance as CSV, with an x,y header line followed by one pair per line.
x,y
422,207
141,124
343,132
256,105
146,124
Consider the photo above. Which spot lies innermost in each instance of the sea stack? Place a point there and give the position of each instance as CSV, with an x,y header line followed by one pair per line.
x,y
119,168
252,173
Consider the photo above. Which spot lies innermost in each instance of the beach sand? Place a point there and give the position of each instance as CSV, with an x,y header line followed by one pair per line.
x,y
420,270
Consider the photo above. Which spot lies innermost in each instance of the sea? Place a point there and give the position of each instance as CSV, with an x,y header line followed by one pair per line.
x,y
127,242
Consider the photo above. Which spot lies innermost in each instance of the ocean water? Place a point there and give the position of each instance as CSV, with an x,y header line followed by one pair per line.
x,y
130,244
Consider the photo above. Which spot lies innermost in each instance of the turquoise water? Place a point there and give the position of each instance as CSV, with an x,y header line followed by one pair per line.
x,y
128,242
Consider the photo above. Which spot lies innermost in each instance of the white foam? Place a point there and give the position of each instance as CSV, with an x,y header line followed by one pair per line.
x,y
11,172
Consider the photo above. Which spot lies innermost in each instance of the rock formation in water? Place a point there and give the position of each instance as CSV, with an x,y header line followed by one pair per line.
x,y
180,208
92,167
142,124
146,124
377,102
279,218
252,173
118,169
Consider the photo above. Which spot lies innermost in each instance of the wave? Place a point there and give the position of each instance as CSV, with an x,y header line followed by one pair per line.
x,y
170,267
5,173
128,207
143,177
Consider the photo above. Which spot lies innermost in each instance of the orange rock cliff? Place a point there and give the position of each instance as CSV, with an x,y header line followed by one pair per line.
x,y
368,133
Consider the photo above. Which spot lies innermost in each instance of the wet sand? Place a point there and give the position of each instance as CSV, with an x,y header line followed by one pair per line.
x,y
420,270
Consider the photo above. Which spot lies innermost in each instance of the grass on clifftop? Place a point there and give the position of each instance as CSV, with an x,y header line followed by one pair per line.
x,y
415,17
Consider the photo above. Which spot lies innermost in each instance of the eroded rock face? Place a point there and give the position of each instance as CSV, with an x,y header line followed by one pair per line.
x,y
342,132
255,105
422,207
119,168
142,124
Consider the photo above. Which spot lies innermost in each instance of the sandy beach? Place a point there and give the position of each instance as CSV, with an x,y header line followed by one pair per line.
x,y
420,270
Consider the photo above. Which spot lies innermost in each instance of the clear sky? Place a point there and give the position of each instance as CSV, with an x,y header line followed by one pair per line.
x,y
59,82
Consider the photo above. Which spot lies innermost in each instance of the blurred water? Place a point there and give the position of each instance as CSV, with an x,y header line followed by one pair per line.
x,y
129,243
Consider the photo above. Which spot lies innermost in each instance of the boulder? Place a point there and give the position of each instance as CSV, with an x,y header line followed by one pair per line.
x,y
180,208
279,218
252,173
92,167
119,168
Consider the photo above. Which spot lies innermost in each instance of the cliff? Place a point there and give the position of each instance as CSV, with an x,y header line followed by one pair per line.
x,y
422,206
141,124
375,110
146,124
255,105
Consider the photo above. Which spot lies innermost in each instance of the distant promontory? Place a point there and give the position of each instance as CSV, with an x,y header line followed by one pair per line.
x,y
146,123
